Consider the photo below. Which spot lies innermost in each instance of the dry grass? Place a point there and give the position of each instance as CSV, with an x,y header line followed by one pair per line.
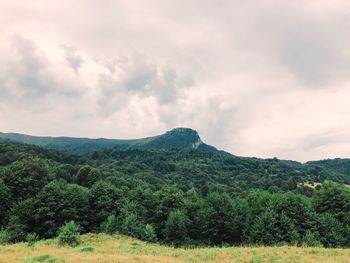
x,y
103,248
312,185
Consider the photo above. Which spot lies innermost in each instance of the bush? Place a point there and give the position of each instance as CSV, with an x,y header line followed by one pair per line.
x,y
31,239
16,229
4,237
69,234
42,259
110,226
310,239
85,249
149,234
132,226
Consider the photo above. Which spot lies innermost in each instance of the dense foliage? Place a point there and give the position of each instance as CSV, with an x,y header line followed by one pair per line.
x,y
181,197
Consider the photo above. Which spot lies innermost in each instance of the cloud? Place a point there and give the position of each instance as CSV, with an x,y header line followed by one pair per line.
x,y
138,76
30,79
256,78
27,72
73,59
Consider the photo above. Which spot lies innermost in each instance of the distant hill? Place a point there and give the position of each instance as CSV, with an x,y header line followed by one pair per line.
x,y
337,165
178,138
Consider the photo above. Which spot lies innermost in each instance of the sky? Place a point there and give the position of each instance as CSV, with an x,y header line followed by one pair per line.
x,y
264,78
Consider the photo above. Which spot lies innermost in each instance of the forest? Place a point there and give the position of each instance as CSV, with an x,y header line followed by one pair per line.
x,y
181,197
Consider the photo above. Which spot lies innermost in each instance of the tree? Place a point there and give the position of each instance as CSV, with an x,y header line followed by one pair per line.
x,y
169,199
76,205
69,234
132,226
222,219
298,209
176,227
270,228
26,177
82,175
5,202
16,229
335,199
87,176
104,199
57,203
331,232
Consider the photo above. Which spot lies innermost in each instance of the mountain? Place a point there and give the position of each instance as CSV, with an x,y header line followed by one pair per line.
x,y
178,138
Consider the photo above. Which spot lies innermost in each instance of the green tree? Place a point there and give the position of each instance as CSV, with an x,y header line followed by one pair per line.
x,y
335,199
57,203
82,175
169,199
222,219
105,199
16,229
298,209
176,227
87,176
5,202
331,232
26,177
270,229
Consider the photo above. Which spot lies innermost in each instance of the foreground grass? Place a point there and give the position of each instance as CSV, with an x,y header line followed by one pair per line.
x,y
103,248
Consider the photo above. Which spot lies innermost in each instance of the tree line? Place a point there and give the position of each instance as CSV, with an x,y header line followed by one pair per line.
x,y
35,198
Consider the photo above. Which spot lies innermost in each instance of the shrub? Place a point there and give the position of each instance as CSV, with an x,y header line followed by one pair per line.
x,y
132,226
85,249
310,239
149,234
69,234
16,229
42,259
110,226
31,239
4,237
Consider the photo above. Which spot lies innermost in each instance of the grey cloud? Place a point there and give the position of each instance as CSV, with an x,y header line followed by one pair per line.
x,y
138,74
29,72
74,60
141,77
30,80
313,46
314,141
112,63
112,97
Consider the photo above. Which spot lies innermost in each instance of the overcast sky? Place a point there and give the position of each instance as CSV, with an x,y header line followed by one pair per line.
x,y
255,78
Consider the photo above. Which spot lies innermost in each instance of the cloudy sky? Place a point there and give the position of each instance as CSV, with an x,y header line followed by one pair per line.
x,y
258,78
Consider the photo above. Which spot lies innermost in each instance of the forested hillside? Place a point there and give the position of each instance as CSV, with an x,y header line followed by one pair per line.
x,y
178,138
176,196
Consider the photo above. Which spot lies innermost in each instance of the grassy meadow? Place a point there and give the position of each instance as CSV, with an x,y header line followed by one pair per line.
x,y
104,248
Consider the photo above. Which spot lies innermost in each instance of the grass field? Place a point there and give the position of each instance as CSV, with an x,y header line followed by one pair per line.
x,y
103,248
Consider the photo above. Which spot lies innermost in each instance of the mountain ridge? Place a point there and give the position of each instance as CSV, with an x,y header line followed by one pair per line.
x,y
182,138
